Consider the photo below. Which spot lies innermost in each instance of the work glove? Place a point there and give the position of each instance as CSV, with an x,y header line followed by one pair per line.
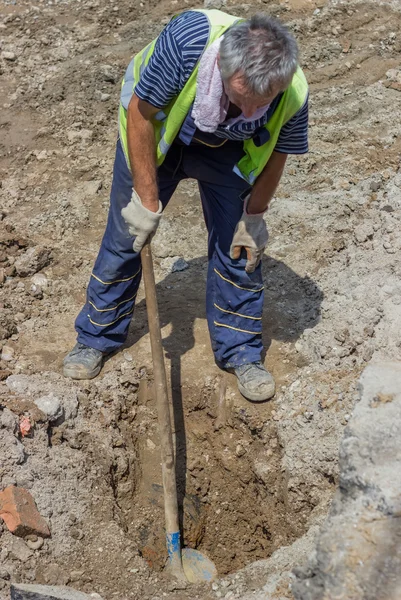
x,y
250,234
142,223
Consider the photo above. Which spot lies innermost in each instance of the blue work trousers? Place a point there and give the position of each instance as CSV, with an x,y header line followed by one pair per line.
x,y
234,298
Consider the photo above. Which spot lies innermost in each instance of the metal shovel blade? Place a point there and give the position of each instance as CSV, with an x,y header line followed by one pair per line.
x,y
197,567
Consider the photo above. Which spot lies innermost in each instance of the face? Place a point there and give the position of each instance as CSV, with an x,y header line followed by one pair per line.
x,y
239,95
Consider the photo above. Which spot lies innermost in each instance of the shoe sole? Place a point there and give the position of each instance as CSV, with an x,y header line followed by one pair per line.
x,y
75,372
254,397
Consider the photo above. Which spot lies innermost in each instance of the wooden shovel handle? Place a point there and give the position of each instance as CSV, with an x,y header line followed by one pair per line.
x,y
162,400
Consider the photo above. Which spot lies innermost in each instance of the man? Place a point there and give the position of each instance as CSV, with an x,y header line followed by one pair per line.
x,y
223,101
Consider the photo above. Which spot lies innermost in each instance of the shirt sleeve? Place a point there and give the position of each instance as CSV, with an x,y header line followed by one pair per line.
x,y
293,138
175,55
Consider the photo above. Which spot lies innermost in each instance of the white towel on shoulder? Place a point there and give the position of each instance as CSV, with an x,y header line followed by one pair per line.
x,y
211,102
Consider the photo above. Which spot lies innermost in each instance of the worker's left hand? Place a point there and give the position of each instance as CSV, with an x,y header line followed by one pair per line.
x,y
250,234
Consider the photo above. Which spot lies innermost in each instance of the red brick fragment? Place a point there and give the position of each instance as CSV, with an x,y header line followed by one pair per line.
x,y
18,511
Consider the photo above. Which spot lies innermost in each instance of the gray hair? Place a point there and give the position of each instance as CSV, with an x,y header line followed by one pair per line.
x,y
263,50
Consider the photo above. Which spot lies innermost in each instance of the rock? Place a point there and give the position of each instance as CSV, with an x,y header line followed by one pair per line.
x,y
109,73
240,450
4,374
173,264
4,574
25,479
375,185
214,3
7,353
21,591
93,187
32,261
9,420
151,445
18,511
54,575
10,56
357,554
80,135
20,550
363,232
51,406
40,280
36,291
101,96
179,265
34,386
11,449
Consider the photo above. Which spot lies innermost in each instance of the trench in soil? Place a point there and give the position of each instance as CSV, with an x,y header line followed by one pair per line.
x,y
230,481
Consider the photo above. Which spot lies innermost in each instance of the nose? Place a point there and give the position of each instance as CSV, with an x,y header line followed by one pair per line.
x,y
248,110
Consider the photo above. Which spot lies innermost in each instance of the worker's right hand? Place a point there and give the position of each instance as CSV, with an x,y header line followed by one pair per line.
x,y
142,222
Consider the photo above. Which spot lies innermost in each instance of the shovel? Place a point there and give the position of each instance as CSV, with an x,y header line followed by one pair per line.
x,y
185,564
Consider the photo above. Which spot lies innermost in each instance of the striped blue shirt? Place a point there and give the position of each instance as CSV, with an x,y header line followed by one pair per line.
x,y
176,53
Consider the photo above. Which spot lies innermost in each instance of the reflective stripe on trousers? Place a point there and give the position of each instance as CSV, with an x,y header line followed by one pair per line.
x,y
234,298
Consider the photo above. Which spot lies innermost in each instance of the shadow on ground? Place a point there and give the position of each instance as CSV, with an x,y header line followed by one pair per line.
x,y
292,304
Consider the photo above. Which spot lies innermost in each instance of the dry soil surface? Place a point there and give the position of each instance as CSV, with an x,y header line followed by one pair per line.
x,y
251,478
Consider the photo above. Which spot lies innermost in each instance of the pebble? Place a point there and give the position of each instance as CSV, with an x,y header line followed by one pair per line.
x,y
363,232
20,550
36,292
11,56
240,450
151,445
179,265
102,96
7,353
40,280
4,574
50,405
8,420
375,186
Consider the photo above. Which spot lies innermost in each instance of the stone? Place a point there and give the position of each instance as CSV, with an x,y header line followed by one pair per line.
x,y
9,420
80,135
20,550
20,591
7,353
214,3
50,405
32,261
109,73
173,264
10,56
40,280
102,96
52,574
11,449
18,511
375,185
4,574
179,265
363,232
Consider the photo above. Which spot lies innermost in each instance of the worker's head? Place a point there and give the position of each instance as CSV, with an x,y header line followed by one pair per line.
x,y
257,60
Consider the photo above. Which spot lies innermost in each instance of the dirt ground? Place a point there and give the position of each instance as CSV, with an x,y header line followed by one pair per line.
x,y
254,478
